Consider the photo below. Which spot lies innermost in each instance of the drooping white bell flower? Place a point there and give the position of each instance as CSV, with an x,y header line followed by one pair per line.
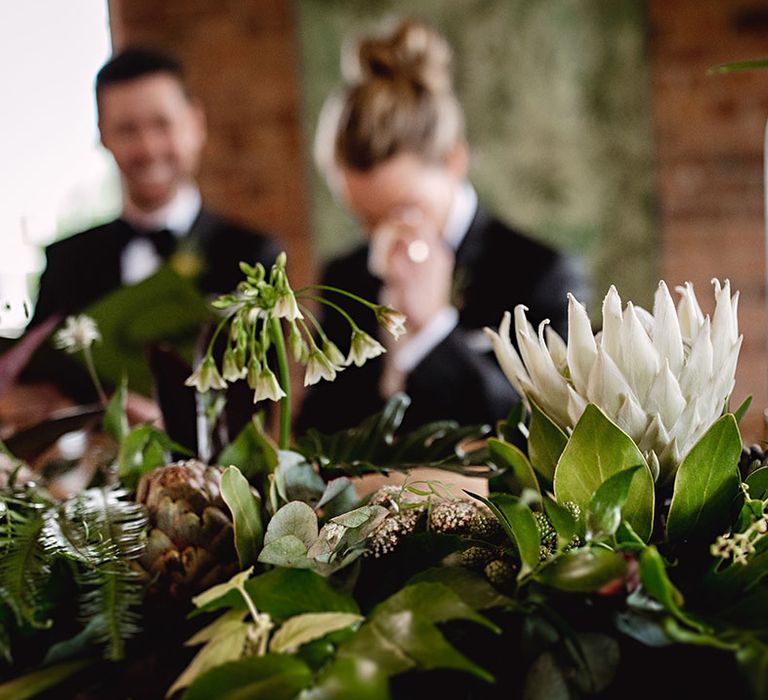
x,y
663,378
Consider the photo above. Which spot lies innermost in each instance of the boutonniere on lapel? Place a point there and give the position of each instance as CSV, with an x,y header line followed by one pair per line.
x,y
186,261
459,287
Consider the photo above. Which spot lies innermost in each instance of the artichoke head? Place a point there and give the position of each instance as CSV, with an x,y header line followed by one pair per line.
x,y
190,541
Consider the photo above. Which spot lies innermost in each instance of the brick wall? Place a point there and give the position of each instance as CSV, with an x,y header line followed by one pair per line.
x,y
709,132
241,61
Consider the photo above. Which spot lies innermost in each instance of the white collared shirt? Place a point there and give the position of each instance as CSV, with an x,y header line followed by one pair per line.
x,y
139,259
413,348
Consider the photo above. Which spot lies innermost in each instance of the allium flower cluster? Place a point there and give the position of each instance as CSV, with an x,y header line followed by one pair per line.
x,y
663,378
78,334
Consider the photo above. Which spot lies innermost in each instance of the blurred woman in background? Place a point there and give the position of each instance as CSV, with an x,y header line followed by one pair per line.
x,y
391,144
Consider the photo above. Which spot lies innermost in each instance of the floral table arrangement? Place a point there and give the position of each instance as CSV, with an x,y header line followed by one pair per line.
x,y
622,548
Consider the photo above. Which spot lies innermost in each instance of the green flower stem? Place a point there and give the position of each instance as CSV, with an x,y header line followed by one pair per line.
x,y
215,335
335,307
285,382
94,376
329,288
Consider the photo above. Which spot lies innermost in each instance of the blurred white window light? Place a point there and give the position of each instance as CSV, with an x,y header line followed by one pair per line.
x,y
56,177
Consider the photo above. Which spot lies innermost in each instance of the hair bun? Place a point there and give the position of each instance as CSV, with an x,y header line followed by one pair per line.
x,y
411,51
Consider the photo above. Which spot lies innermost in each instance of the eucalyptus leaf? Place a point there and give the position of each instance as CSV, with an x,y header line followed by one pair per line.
x,y
706,484
270,677
339,497
546,442
307,627
545,680
287,550
295,518
251,451
522,475
583,570
597,449
603,513
246,515
296,479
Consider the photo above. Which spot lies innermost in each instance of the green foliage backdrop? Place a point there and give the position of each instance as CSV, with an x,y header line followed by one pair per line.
x,y
556,94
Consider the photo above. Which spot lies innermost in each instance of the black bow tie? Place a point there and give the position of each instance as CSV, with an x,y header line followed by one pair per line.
x,y
163,240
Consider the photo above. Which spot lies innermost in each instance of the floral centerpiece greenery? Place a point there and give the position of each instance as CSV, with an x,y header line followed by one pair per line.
x,y
622,548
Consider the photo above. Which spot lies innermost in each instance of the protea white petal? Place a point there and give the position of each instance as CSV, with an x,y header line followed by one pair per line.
x,y
612,318
666,333
508,358
724,325
557,349
631,418
697,372
665,399
576,405
689,313
639,360
582,349
606,385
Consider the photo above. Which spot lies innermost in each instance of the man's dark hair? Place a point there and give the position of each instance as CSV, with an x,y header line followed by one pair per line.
x,y
137,62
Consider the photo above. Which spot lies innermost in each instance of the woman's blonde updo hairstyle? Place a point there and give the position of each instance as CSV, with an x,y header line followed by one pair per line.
x,y
397,97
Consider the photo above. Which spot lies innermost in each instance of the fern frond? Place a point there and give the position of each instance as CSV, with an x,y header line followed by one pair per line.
x,y
110,603
24,569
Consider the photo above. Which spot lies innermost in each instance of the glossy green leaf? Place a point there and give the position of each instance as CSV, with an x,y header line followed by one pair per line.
x,y
251,451
224,640
284,593
32,684
520,525
471,587
246,515
603,513
307,627
583,570
562,520
270,677
434,601
546,442
758,483
739,413
350,678
115,417
598,449
507,455
706,484
656,583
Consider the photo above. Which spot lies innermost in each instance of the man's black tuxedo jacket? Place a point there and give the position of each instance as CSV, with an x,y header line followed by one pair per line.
x,y
85,267
496,268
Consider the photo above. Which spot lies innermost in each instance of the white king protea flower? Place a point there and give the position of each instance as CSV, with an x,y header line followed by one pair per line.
x,y
662,378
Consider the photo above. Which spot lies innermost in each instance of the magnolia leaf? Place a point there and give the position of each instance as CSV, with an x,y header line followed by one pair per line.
x,y
115,416
583,570
308,627
251,451
287,550
295,518
758,483
224,641
246,516
546,442
234,584
603,513
507,455
32,684
597,449
270,677
706,484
